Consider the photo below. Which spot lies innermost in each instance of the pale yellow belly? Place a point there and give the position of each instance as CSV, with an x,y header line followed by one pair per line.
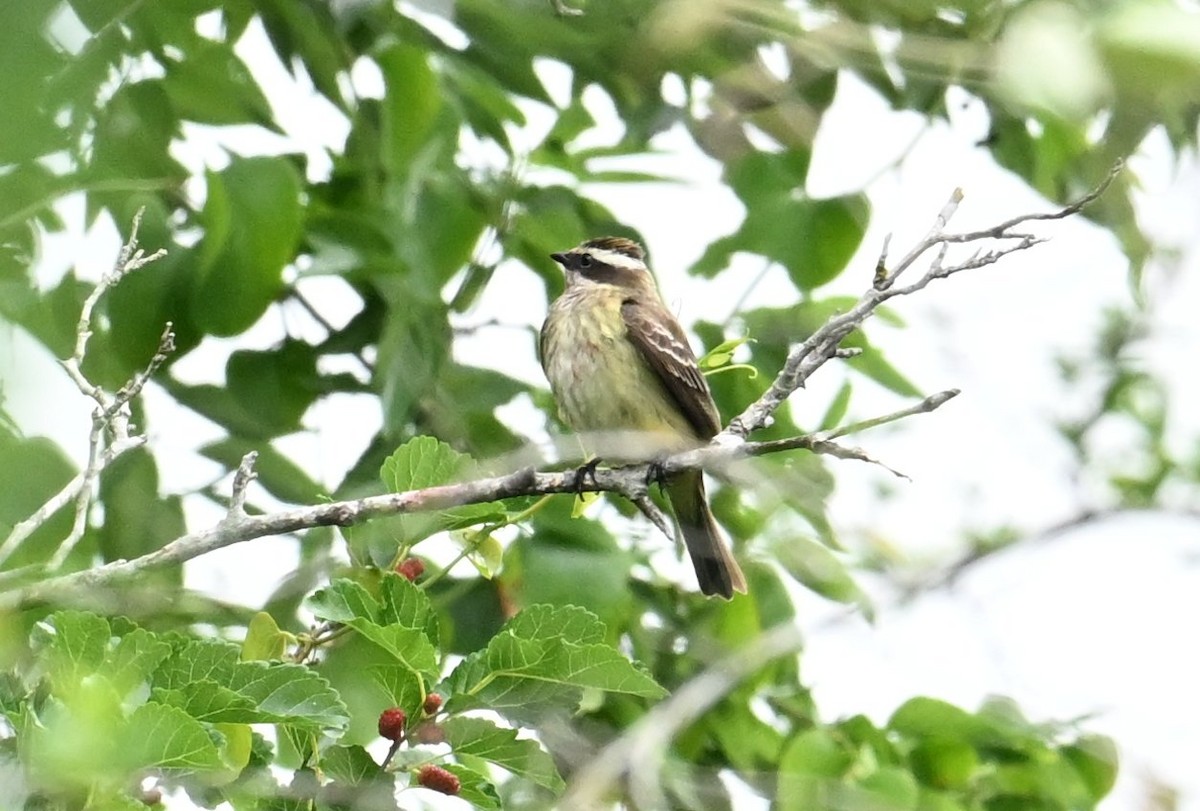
x,y
606,391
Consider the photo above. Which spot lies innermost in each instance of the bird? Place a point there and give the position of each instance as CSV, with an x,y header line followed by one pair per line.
x,y
624,376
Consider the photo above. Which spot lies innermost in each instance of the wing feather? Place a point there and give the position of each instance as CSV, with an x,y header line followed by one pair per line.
x,y
664,346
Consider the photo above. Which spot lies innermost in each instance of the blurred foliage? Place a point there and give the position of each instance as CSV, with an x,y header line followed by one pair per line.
x,y
426,195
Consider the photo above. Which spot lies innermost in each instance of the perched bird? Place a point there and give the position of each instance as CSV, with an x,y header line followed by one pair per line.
x,y
624,376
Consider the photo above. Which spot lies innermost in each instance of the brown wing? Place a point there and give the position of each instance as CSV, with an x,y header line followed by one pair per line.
x,y
664,347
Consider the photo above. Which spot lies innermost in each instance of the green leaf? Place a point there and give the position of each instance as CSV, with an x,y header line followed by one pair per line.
x,y
159,736
721,354
264,641
343,601
890,789
134,658
403,624
351,765
207,680
77,646
411,104
809,763
837,408
817,242
1095,758
309,33
820,570
545,657
423,461
760,176
568,623
275,386
428,462
923,717
482,738
369,680
211,85
945,763
252,221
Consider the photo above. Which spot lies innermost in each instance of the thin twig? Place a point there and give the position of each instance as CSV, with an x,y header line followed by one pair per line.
x,y
930,403
110,416
241,482
824,344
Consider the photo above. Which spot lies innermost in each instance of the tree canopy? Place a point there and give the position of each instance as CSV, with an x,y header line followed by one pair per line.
x,y
559,633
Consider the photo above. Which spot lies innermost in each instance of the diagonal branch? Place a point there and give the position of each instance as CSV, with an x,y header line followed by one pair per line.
x,y
822,345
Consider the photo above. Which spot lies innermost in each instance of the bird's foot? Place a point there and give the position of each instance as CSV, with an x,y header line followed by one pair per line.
x,y
656,472
586,471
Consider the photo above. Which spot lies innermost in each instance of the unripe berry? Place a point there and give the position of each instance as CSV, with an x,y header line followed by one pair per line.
x,y
438,779
410,568
433,703
391,723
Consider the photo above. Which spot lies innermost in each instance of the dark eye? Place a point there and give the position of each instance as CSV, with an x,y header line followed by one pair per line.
x,y
585,261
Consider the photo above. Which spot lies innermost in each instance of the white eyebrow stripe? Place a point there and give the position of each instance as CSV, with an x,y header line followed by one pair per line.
x,y
617,260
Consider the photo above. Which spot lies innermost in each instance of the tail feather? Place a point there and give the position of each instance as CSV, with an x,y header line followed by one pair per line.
x,y
716,570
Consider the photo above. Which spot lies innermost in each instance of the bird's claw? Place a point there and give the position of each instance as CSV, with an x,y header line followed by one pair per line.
x,y
586,471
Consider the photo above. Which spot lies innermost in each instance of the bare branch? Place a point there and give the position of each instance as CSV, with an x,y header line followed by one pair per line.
x,y
238,526
110,416
810,355
656,516
930,403
241,481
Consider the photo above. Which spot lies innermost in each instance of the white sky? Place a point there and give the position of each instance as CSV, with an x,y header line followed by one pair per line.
x,y
1097,623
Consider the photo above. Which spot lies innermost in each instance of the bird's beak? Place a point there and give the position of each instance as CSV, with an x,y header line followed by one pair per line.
x,y
561,258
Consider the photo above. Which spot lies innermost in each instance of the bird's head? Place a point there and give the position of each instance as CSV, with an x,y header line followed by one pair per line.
x,y
607,260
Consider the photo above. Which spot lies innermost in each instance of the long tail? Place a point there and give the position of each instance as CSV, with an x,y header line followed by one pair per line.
x,y
716,570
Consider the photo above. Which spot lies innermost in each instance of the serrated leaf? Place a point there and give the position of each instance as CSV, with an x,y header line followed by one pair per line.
x,y
207,700
134,658
428,462
423,461
157,735
482,738
208,679
568,623
404,625
77,646
543,656
343,601
197,660
291,694
350,765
